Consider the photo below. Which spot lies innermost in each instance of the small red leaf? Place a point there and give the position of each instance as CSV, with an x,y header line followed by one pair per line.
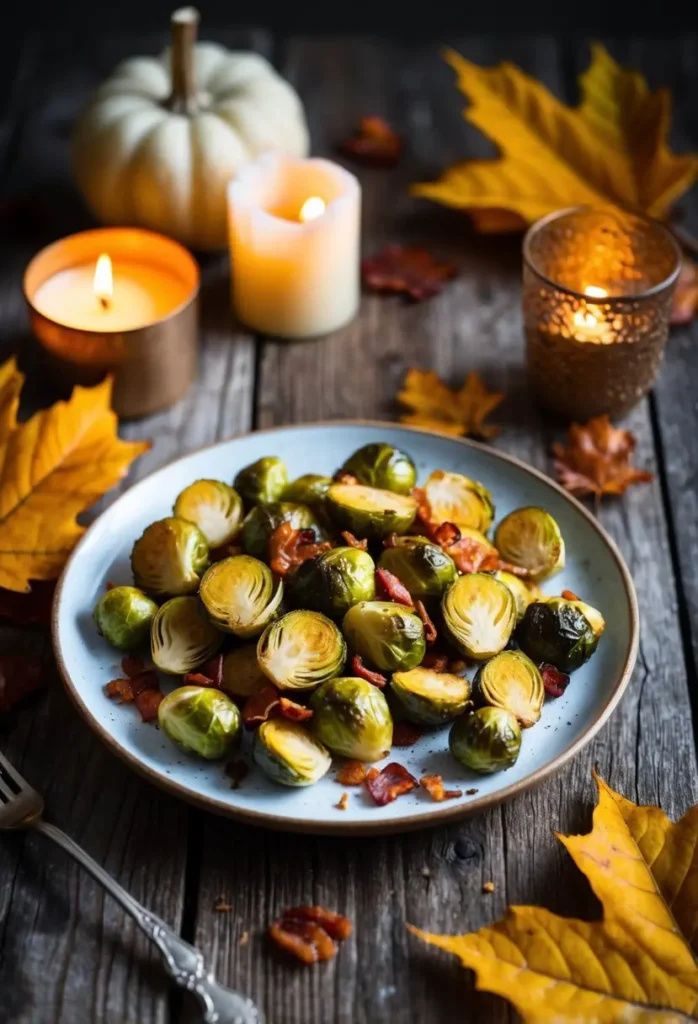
x,y
411,271
374,143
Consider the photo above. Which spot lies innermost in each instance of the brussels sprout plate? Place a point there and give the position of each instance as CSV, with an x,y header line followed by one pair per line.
x,y
594,570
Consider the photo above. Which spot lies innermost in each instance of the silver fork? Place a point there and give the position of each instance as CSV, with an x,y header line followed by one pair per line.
x,y
22,807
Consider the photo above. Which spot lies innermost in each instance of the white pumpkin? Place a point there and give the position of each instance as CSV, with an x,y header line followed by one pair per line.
x,y
157,147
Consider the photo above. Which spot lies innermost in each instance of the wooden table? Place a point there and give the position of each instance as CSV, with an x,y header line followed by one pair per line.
x,y
67,954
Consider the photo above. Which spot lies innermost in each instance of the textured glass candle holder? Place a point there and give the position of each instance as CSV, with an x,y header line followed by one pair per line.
x,y
598,286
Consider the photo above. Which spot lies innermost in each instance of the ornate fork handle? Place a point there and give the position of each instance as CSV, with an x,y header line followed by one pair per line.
x,y
184,963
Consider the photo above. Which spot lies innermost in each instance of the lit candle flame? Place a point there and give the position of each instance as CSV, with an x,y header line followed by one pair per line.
x,y
103,285
312,209
590,322
594,292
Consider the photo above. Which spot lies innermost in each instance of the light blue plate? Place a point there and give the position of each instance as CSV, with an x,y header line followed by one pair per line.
x,y
595,571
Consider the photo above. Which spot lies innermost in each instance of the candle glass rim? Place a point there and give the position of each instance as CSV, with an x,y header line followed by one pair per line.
x,y
604,300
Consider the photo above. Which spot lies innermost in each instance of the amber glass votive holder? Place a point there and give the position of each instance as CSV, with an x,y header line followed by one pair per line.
x,y
598,285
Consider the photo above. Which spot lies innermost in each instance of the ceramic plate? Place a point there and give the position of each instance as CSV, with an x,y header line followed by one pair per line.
x,y
595,570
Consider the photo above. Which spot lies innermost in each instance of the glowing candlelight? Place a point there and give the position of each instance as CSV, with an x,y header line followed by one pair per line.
x,y
589,322
103,282
312,209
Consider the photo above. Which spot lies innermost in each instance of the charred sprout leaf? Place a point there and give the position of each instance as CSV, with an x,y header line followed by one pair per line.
x,y
453,498
487,740
387,635
522,593
181,636
169,558
260,523
242,676
422,566
200,720
332,582
309,489
563,633
383,466
511,681
240,595
369,511
261,482
123,616
531,538
430,698
288,754
479,614
352,719
301,650
212,506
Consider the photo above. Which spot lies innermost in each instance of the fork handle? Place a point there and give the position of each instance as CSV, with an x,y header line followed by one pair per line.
x,y
183,962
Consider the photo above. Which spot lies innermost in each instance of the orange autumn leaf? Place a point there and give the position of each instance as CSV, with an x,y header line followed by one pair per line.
x,y
611,149
637,965
436,406
596,460
52,468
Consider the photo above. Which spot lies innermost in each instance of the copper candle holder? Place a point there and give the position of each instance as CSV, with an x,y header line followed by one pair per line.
x,y
598,285
150,348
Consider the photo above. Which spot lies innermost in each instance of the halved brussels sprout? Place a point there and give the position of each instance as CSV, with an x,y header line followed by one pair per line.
x,y
301,650
123,616
352,718
424,567
388,635
430,698
242,675
200,720
370,512
181,637
240,595
382,465
563,633
262,481
479,614
486,740
511,681
309,489
214,507
288,754
523,594
454,498
531,538
261,521
169,557
334,581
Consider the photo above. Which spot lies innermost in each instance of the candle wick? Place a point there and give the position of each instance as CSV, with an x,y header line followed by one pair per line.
x,y
104,302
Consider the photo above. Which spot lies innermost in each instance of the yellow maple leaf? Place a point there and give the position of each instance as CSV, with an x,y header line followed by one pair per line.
x,y
612,149
436,406
51,468
637,965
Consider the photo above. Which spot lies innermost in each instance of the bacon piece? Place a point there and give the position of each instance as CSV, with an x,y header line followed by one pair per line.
x,y
147,680
372,774
294,712
120,690
31,609
405,734
289,548
390,588
336,925
430,633
359,669
434,786
354,542
20,675
259,706
554,681
310,933
457,666
446,534
237,771
436,662
353,773
569,595
373,143
132,665
210,674
148,702
389,784
197,679
343,802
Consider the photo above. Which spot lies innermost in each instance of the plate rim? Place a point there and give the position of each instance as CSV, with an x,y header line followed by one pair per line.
x,y
440,815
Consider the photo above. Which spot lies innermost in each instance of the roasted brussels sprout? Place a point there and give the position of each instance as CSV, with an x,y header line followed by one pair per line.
x,y
169,558
561,632
200,720
424,568
511,681
479,614
242,675
453,498
523,594
307,490
352,719
288,754
388,635
262,481
381,465
123,616
240,595
334,581
214,507
531,538
261,521
486,740
428,697
301,650
370,512
181,637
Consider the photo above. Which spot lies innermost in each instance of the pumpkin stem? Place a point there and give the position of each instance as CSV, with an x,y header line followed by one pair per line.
x,y
185,25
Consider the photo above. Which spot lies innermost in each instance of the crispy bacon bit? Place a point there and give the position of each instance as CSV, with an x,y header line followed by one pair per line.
x,y
554,681
147,680
390,588
336,925
372,774
407,269
31,609
289,548
373,143
359,669
294,712
148,702
390,783
436,662
342,477
120,690
237,771
569,595
430,633
434,786
210,674
405,734
20,675
446,534
471,792
354,542
343,802
310,933
131,665
353,773
259,706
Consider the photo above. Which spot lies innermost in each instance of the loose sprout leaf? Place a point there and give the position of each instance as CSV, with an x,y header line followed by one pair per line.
x,y
596,460
434,405
411,271
374,143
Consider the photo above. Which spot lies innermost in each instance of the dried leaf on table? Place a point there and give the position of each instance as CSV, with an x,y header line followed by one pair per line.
x,y
20,675
610,150
638,963
684,306
436,406
596,459
374,143
408,270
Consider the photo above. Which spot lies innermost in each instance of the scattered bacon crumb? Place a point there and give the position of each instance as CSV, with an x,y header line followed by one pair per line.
x,y
125,691
390,783
390,587
343,802
259,706
342,477
372,774
434,786
408,269
294,712
373,143
457,666
354,542
30,609
471,792
554,681
213,670
244,939
310,933
148,702
430,633
197,679
221,907
405,734
289,548
488,887
131,665
446,534
336,925
237,771
359,669
436,662
353,773
20,675
469,553
569,595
